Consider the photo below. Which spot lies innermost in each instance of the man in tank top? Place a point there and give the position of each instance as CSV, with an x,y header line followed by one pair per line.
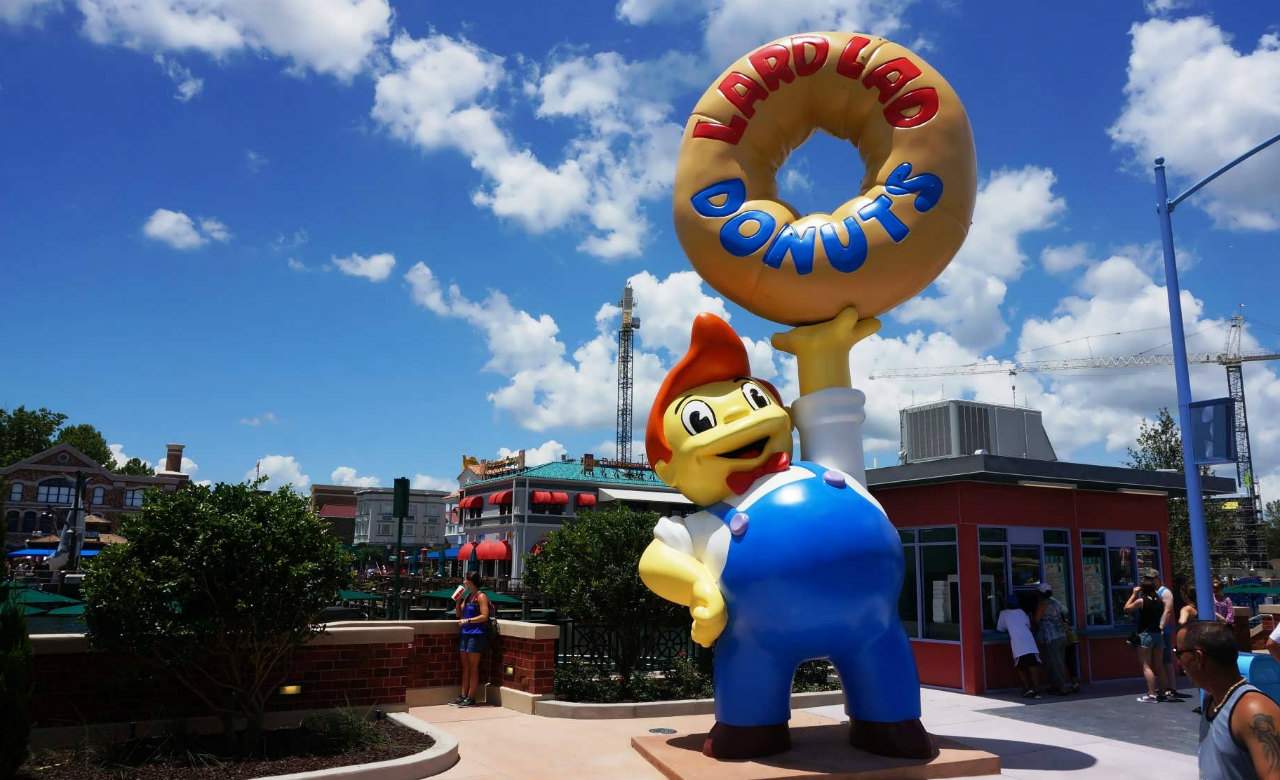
x,y
1240,727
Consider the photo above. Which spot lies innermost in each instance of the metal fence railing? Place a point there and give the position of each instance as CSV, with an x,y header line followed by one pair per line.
x,y
597,645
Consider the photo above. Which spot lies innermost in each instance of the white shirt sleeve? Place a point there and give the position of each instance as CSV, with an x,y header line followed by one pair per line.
x,y
701,535
830,426
1275,635
672,532
1000,621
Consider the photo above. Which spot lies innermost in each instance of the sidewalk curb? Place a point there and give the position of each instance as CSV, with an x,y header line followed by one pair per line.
x,y
432,761
552,708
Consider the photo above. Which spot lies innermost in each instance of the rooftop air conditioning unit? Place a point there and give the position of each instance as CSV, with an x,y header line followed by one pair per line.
x,y
951,429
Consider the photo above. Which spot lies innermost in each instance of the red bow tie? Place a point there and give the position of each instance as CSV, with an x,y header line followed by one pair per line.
x,y
741,481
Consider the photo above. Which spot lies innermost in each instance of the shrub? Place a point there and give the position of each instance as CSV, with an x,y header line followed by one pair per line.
x,y
217,586
15,686
340,731
814,676
588,568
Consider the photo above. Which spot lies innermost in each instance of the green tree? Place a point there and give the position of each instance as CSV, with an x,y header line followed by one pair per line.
x,y
588,568
24,432
15,686
136,467
1159,446
88,440
217,586
1271,516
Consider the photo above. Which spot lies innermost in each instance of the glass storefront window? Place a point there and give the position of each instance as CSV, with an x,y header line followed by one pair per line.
x,y
940,578
929,606
995,586
1025,565
1112,562
907,609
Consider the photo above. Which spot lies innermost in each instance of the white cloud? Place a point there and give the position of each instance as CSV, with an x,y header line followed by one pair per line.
x,y
280,470
548,452
19,12
297,265
428,482
734,27
439,96
188,467
283,242
179,231
345,475
375,268
266,418
183,79
1157,7
971,290
118,453
256,161
1061,259
1197,100
546,386
335,37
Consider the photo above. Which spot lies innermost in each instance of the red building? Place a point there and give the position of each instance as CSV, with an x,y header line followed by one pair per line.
x,y
977,528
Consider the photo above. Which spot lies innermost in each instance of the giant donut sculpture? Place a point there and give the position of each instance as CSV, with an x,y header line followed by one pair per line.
x,y
874,251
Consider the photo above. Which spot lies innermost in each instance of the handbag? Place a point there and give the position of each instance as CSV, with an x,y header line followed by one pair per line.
x,y
1134,640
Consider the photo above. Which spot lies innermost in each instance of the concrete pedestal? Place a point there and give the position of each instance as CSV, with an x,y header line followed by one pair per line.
x,y
817,750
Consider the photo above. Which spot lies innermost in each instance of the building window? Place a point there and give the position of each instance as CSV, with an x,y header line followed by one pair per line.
x,y
15,492
11,520
1112,563
99,495
1015,560
133,498
384,529
55,491
930,602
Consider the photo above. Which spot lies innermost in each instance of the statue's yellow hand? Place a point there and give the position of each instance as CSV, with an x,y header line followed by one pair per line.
x,y
831,337
822,350
708,612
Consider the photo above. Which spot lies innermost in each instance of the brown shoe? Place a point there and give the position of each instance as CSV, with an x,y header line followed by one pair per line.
x,y
735,742
904,739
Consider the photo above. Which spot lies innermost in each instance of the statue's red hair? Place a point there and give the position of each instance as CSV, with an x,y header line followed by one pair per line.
x,y
715,354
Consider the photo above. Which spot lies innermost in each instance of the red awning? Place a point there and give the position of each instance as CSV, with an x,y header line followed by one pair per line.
x,y
464,552
586,499
470,502
493,550
540,497
337,510
502,497
559,499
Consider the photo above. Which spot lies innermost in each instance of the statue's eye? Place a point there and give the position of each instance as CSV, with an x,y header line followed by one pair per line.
x,y
756,396
697,417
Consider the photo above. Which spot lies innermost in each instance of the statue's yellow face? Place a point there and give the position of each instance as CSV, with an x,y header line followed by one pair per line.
x,y
719,428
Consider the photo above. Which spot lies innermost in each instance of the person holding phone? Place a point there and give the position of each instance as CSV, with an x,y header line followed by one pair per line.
x,y
1149,610
472,607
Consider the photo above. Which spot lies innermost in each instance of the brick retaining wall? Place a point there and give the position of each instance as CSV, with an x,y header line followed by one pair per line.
x,y
355,663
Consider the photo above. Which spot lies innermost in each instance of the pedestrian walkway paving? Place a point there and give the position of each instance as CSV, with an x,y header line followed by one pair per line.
x,y
1104,733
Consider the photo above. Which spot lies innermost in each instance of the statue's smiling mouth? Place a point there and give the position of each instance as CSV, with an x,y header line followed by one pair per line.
x,y
747,451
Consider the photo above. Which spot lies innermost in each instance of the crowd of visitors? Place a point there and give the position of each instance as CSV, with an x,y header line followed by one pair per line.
x,y
1040,635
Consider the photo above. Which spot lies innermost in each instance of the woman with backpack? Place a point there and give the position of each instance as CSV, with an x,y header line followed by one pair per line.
x,y
1148,610
473,610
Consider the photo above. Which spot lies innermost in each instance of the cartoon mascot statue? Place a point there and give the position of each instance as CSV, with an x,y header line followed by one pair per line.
x,y
791,560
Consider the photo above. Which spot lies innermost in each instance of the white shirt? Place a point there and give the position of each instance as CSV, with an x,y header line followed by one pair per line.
x,y
1275,635
1018,624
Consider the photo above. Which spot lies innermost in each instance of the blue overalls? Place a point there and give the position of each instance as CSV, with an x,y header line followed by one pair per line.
x,y
815,572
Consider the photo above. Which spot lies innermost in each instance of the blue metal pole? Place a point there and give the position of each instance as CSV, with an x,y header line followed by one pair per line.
x,y
1195,503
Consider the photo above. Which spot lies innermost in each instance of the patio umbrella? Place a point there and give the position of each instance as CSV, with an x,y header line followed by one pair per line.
x,y
358,595
32,597
71,610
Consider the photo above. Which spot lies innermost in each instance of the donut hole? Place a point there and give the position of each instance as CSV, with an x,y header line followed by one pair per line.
x,y
819,174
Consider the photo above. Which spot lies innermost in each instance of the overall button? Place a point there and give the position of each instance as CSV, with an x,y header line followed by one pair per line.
x,y
738,524
834,479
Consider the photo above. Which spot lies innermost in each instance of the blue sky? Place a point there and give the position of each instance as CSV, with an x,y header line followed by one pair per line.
x,y
212,215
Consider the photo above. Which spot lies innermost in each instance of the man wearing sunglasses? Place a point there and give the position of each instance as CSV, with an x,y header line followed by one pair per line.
x,y
1240,727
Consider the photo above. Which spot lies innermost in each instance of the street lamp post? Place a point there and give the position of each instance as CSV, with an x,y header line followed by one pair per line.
x,y
1195,502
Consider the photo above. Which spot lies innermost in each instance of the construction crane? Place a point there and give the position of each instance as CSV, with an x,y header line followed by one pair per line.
x,y
1230,357
626,332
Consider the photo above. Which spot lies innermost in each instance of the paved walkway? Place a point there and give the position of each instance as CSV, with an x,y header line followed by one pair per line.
x,y
1104,734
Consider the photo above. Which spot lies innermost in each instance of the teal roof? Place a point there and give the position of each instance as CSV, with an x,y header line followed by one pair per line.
x,y
571,471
